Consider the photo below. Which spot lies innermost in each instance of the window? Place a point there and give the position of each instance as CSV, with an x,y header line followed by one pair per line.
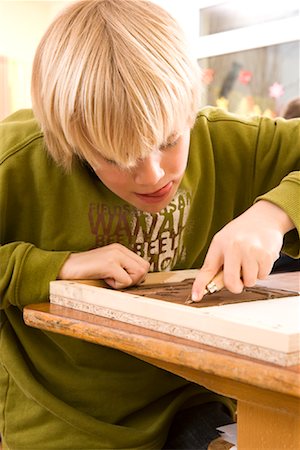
x,y
230,15
250,58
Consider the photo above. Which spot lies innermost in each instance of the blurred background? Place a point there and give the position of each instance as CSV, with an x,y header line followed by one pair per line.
x,y
249,51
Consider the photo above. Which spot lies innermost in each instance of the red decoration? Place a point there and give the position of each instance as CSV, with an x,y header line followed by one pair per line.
x,y
245,76
208,76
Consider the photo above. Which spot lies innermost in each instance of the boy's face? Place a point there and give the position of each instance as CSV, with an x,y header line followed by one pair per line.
x,y
154,181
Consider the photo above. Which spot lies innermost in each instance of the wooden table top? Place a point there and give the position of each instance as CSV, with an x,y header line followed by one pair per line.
x,y
176,354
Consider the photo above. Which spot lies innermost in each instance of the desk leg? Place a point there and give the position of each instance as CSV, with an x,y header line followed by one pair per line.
x,y
261,427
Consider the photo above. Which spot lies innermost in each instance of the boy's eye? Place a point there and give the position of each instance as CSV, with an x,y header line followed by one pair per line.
x,y
110,161
170,143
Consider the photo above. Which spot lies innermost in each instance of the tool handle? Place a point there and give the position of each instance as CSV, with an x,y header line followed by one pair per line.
x,y
216,284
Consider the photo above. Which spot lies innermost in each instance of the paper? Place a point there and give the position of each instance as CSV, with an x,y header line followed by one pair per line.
x,y
229,434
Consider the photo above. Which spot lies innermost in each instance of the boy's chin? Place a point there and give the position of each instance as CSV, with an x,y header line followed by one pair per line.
x,y
153,207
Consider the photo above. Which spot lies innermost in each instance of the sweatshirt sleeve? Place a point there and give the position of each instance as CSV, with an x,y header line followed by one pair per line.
x,y
277,173
287,196
25,268
26,272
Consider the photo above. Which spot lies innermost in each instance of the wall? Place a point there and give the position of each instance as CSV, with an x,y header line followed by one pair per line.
x,y
22,24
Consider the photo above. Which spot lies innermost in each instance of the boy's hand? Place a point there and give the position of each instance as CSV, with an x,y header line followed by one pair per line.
x,y
245,248
114,263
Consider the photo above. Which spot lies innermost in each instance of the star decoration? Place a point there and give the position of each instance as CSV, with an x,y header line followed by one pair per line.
x,y
276,90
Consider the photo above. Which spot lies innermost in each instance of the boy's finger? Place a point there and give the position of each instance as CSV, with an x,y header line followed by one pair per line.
x,y
232,273
203,278
249,272
211,267
119,278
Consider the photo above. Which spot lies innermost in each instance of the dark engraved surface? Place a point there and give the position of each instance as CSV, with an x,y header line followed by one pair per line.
x,y
179,292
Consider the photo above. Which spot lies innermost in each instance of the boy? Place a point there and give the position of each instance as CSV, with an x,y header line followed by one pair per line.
x,y
114,175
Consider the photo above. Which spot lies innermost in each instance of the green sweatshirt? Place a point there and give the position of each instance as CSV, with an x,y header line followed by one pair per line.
x,y
57,392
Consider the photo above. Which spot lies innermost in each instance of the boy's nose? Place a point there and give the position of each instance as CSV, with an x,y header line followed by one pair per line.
x,y
149,171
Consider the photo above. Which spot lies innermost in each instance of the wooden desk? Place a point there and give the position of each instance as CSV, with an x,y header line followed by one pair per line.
x,y
268,396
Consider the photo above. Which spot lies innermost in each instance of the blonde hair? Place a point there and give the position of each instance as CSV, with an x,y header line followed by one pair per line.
x,y
113,77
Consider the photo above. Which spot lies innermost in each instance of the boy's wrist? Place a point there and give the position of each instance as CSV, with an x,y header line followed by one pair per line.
x,y
274,214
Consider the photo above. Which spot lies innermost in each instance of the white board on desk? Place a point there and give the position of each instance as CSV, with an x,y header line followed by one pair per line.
x,y
264,329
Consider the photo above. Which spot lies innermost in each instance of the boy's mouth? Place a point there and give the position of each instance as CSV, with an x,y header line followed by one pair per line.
x,y
158,195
